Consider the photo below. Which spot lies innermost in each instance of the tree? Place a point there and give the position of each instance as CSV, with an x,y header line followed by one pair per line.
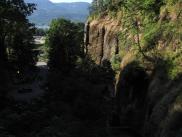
x,y
21,52
64,41
99,6
94,7
12,15
16,40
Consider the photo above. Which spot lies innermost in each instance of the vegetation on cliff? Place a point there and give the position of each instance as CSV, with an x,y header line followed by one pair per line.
x,y
150,41
151,27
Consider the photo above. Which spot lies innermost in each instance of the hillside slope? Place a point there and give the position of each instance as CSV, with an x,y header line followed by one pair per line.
x,y
145,52
46,11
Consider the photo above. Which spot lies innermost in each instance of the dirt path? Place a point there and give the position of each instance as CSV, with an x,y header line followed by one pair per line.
x,y
28,91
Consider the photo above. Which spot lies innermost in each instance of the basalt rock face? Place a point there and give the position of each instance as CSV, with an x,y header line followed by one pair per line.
x,y
147,102
164,107
101,39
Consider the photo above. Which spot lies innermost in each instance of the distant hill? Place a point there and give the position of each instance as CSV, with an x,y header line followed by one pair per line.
x,y
46,11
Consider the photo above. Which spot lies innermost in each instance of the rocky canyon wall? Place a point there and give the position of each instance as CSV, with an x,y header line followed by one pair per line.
x,y
148,102
101,39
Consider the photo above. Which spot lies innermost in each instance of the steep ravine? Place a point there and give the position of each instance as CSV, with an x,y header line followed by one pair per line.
x,y
146,101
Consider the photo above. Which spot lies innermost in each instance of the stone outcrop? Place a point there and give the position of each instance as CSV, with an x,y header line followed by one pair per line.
x,y
150,104
101,39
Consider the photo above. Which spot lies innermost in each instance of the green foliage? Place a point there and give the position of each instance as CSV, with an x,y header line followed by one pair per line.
x,y
21,51
16,41
152,35
153,5
115,62
16,33
100,6
64,41
173,68
151,26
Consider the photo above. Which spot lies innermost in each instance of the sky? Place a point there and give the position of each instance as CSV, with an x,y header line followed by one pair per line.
x,y
71,1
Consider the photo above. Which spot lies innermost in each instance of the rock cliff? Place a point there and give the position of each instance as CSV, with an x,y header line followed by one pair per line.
x,y
101,39
150,103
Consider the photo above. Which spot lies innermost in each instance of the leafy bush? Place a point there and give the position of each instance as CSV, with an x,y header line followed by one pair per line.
x,y
115,62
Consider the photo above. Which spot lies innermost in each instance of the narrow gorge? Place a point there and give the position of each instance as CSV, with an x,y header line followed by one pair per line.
x,y
117,75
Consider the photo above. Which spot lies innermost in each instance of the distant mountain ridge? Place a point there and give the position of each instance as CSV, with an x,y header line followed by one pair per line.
x,y
47,10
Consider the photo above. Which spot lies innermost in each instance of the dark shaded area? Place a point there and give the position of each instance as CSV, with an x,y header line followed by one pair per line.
x,y
131,96
79,97
84,89
16,47
3,87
